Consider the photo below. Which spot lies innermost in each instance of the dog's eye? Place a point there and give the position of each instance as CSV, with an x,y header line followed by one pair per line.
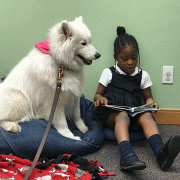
x,y
84,43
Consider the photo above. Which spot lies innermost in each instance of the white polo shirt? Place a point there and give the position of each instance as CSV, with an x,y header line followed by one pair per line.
x,y
106,77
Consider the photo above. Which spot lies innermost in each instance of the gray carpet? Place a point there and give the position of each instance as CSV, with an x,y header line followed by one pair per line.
x,y
109,157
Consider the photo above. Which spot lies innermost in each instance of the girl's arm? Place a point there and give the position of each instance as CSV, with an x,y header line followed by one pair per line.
x,y
98,98
148,97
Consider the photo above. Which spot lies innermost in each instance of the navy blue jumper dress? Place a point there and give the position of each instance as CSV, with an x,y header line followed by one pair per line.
x,y
123,90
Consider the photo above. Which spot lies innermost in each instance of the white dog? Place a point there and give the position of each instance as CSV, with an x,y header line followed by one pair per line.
x,y
28,91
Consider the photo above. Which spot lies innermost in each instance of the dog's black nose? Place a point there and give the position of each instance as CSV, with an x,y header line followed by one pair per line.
x,y
97,55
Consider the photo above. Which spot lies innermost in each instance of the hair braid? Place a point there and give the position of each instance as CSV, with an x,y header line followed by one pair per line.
x,y
124,40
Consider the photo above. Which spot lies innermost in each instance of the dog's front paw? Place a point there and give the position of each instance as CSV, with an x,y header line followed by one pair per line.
x,y
67,133
11,127
76,138
84,129
81,126
70,135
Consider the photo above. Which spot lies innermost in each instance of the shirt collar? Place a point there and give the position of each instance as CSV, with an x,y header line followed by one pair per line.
x,y
122,72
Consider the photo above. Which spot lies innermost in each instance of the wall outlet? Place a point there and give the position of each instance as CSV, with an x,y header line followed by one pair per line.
x,y
167,75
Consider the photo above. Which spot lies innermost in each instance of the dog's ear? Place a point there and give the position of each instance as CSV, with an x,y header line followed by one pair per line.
x,y
66,30
80,19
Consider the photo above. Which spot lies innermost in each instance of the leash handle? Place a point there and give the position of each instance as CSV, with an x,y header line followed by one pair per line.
x,y
56,97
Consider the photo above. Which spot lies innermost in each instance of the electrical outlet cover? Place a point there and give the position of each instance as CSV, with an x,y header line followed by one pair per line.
x,y
167,75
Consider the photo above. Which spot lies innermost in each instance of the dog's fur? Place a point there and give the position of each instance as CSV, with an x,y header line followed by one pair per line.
x,y
28,91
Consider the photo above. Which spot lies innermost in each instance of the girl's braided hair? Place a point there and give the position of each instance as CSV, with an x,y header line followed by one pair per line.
x,y
123,40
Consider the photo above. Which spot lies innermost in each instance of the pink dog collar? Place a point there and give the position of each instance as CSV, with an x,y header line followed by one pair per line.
x,y
44,47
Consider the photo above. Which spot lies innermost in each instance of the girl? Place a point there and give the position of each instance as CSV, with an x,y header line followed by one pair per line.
x,y
123,85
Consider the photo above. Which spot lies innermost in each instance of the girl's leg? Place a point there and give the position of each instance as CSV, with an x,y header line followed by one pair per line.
x,y
129,161
148,124
151,132
165,153
120,122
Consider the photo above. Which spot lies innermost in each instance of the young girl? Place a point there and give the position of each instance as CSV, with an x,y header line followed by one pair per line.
x,y
123,84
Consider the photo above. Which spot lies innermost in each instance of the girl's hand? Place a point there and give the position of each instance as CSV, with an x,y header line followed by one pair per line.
x,y
98,98
154,105
101,100
148,97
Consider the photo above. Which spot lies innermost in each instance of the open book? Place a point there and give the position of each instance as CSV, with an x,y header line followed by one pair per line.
x,y
133,110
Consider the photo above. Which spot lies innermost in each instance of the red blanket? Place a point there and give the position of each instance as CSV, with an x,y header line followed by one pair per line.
x,y
65,167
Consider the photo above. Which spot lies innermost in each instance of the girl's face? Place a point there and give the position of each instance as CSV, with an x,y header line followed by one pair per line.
x,y
127,59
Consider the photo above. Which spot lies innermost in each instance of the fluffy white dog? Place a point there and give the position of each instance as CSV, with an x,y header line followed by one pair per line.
x,y
28,91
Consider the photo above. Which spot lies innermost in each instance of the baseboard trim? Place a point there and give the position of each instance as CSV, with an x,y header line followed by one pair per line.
x,y
167,116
